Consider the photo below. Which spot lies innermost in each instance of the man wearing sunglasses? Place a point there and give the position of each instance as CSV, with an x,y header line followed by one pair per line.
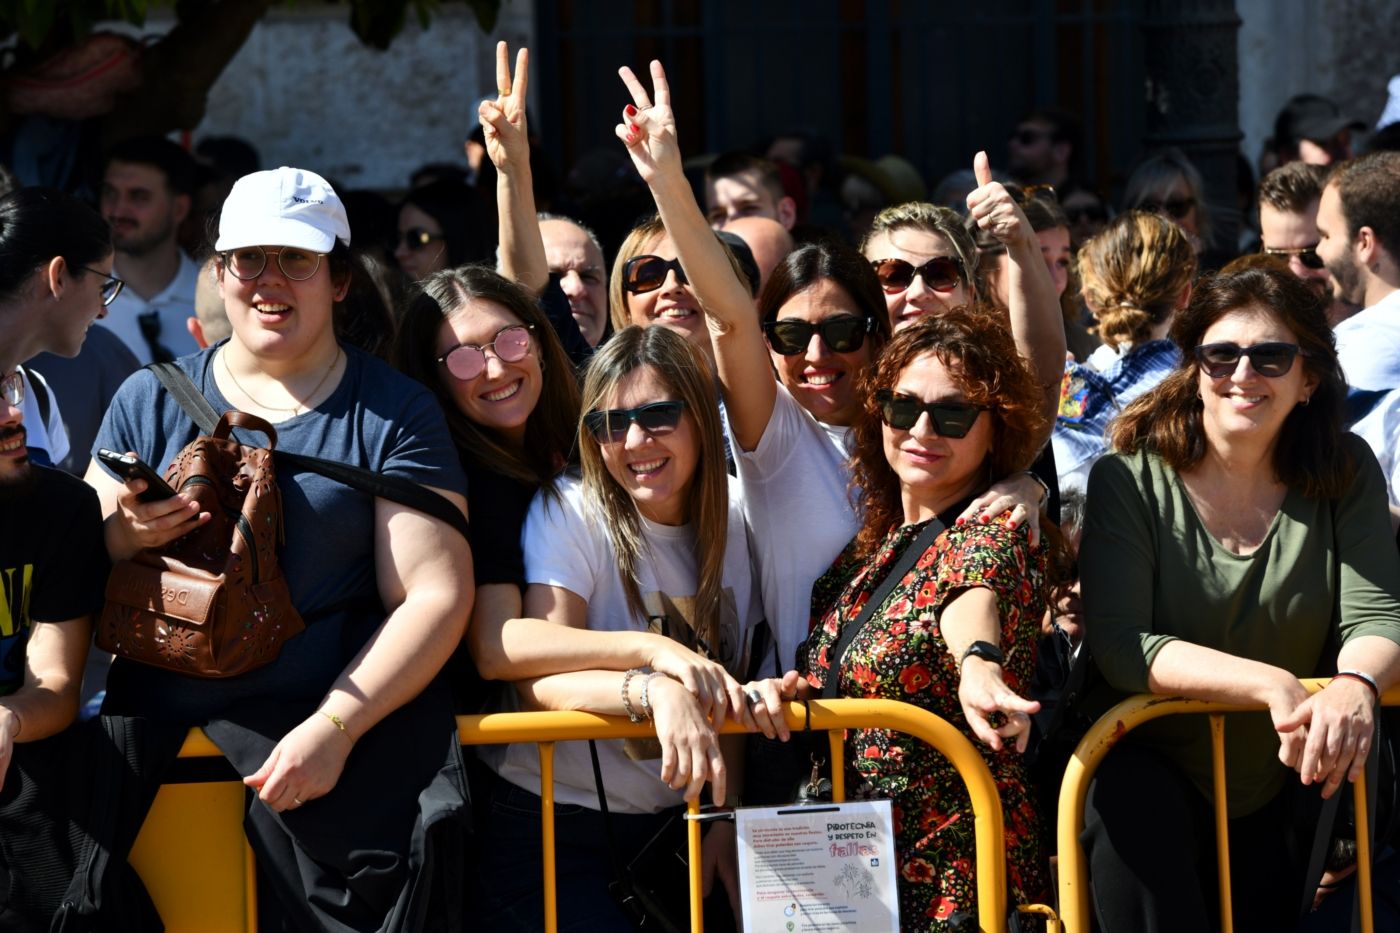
x,y
1358,225
147,189
1288,198
1041,149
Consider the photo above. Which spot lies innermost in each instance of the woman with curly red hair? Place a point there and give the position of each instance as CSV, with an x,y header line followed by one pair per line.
x,y
949,406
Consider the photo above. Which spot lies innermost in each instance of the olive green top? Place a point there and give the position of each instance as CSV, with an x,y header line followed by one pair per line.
x,y
1327,571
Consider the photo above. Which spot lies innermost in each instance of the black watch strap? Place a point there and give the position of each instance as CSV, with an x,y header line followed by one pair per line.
x,y
984,650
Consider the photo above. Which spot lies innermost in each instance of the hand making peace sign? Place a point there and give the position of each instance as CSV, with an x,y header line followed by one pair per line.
x,y
649,129
503,119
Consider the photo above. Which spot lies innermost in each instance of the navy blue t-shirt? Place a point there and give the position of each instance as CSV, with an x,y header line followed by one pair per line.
x,y
376,419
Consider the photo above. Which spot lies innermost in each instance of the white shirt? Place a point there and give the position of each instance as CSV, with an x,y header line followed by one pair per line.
x,y
47,435
173,306
567,545
1380,429
799,513
1368,345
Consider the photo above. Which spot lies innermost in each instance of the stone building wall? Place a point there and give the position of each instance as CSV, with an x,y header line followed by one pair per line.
x,y
307,92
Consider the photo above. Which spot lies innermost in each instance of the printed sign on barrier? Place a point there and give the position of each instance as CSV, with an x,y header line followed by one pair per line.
x,y
818,869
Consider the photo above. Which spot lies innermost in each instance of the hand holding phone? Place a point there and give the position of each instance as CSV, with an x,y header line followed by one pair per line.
x,y
129,468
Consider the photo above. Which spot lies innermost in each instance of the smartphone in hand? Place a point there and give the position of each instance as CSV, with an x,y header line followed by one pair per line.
x,y
129,468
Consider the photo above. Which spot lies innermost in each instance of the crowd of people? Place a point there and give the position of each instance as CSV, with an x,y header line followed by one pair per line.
x,y
945,453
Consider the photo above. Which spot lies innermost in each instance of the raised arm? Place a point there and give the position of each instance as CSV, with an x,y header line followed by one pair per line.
x,y
424,572
522,257
1036,322
648,129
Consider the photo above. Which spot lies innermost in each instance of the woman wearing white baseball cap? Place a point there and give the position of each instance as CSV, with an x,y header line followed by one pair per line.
x,y
344,730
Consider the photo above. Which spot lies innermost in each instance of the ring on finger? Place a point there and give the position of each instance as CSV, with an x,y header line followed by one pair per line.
x,y
297,801
754,697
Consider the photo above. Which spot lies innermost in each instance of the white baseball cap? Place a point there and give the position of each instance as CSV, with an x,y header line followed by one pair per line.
x,y
283,207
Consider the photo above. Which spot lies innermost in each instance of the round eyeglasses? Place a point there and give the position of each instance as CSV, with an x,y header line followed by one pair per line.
x,y
248,262
466,361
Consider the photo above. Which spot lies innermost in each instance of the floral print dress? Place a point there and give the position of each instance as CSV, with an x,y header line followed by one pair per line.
x,y
901,655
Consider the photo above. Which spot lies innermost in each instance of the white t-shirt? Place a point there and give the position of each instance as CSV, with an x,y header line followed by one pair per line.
x,y
799,514
567,545
49,435
173,306
1380,429
1368,345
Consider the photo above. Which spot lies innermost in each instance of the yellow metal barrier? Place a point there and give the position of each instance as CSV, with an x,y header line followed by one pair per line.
x,y
221,896
826,715
228,902
1100,739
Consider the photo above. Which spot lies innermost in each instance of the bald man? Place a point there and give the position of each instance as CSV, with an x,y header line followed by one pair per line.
x,y
768,239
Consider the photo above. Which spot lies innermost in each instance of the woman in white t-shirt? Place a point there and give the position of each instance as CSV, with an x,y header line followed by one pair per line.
x,y
650,537
820,322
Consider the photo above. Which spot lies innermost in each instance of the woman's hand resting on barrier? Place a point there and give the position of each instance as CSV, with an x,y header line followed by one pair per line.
x,y
718,693
765,700
305,765
1338,725
690,752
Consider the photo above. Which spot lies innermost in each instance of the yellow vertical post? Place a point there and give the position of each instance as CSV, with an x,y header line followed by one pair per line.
x,y
551,893
1222,820
250,888
1363,853
693,865
835,740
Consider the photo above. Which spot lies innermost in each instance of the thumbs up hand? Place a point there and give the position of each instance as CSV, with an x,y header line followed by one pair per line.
x,y
992,206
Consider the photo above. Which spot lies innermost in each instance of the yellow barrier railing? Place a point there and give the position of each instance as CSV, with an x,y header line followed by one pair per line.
x,y
1105,734
831,716
826,715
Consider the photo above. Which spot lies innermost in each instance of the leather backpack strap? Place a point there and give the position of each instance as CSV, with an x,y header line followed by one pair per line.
x,y
402,491
850,630
393,488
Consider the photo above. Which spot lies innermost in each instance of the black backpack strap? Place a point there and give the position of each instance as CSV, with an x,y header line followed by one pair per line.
x,y
187,394
393,488
850,630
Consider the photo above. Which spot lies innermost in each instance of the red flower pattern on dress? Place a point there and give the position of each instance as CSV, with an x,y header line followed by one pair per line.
x,y
902,645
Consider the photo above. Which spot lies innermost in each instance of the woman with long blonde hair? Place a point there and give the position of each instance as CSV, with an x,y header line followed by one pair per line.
x,y
648,539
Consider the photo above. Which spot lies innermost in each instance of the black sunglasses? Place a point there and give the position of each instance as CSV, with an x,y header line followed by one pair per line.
x,y
843,334
1175,208
941,273
642,274
1028,137
610,426
1095,213
949,419
1269,360
1307,255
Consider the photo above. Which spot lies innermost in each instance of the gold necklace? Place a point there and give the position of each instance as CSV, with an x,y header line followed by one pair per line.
x,y
300,405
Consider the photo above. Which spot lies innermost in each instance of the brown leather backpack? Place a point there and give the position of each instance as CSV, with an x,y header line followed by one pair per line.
x,y
212,603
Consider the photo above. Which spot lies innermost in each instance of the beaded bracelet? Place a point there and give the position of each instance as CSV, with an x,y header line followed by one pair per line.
x,y
646,692
1365,678
631,710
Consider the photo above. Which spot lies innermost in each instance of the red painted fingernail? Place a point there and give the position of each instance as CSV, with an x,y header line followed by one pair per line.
x,y
630,110
962,521
635,129
984,518
1011,524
